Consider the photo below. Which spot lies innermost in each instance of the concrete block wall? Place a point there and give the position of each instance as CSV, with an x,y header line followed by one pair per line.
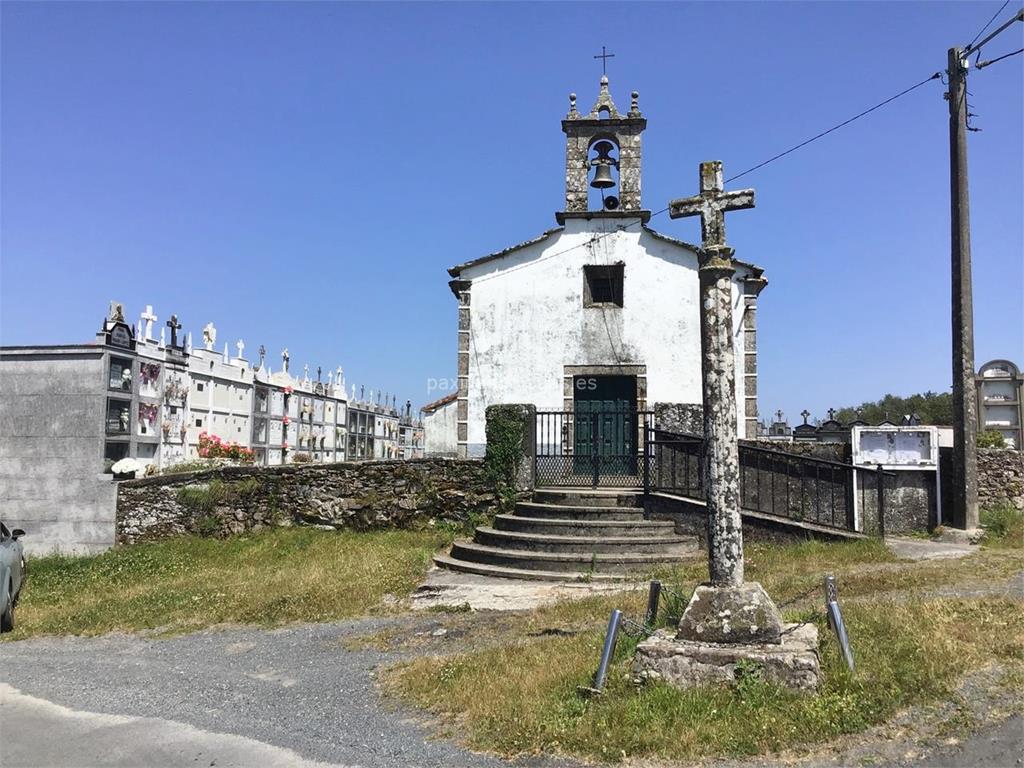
x,y
51,450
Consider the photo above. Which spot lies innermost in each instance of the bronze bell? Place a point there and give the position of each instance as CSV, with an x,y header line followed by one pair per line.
x,y
603,166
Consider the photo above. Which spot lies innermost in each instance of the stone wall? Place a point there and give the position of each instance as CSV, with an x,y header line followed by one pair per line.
x,y
352,495
1000,477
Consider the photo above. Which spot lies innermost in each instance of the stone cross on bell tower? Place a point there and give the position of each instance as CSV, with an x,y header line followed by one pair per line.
x,y
615,132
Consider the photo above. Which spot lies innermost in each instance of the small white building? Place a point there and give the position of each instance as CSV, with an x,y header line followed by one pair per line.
x,y
601,309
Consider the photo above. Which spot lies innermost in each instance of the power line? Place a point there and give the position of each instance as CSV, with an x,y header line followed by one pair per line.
x,y
936,76
989,24
984,64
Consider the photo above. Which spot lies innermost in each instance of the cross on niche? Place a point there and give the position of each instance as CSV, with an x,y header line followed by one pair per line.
x,y
711,204
831,414
175,326
604,56
778,415
806,414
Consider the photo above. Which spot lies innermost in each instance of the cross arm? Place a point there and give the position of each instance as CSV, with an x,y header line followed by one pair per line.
x,y
686,206
739,200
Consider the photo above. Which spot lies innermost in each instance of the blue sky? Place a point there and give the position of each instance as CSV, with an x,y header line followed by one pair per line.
x,y
303,174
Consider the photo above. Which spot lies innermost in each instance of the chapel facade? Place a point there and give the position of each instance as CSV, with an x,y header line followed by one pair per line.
x,y
601,311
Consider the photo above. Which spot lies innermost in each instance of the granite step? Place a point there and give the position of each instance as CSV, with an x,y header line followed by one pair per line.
x,y
501,572
563,527
565,512
580,562
589,497
581,545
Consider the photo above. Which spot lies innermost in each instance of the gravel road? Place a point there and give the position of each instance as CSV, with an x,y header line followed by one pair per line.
x,y
294,688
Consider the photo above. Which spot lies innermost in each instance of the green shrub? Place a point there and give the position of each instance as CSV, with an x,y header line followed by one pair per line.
x,y
505,435
991,438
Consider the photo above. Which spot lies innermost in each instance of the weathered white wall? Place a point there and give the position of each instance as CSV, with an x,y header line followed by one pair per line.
x,y
440,431
527,320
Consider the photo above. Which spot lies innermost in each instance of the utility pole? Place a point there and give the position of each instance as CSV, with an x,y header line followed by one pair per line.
x,y
965,402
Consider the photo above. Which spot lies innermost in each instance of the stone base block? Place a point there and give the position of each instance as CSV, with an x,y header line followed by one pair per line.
x,y
743,614
793,663
961,536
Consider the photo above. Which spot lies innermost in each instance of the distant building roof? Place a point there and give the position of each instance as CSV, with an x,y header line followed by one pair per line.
x,y
437,404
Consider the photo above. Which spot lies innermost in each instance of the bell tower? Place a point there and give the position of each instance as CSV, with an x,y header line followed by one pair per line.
x,y
602,152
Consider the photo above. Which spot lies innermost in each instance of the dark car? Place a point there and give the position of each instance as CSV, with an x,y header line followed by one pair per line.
x,y
12,574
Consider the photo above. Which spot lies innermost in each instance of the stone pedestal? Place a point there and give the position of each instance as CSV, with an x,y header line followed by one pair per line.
x,y
792,663
743,614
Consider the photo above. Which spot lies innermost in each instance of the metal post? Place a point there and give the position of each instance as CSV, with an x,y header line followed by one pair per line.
x,y
835,619
646,455
595,442
610,637
653,597
880,480
965,406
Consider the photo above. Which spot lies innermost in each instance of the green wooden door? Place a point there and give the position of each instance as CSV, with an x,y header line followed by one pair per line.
x,y
606,423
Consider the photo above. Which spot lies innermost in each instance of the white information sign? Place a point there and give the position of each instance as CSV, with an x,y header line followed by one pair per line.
x,y
896,447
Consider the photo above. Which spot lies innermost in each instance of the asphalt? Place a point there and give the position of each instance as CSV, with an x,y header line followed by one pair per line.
x,y
292,694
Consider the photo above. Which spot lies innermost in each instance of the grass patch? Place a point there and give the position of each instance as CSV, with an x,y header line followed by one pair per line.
x,y
1004,526
907,651
187,583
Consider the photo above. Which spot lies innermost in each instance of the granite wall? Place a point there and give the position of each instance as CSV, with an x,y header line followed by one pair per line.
x,y
1000,477
352,495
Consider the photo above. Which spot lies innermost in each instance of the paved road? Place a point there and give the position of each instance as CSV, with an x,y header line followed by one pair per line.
x,y
292,694
1000,746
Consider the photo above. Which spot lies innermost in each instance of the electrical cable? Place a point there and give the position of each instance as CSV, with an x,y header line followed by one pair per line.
x,y
989,24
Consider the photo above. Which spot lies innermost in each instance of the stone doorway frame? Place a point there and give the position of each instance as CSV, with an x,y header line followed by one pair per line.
x,y
639,372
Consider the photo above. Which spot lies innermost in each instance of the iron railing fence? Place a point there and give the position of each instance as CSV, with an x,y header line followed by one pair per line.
x,y
605,448
775,482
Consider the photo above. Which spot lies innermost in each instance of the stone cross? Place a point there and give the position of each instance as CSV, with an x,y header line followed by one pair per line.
x,y
175,326
240,346
285,358
725,537
263,353
831,414
319,372
149,318
711,204
728,610
778,415
806,414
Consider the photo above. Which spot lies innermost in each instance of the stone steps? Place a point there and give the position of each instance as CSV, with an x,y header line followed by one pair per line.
x,y
580,545
571,535
566,527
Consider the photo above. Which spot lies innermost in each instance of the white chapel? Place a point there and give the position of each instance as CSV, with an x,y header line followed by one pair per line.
x,y
599,310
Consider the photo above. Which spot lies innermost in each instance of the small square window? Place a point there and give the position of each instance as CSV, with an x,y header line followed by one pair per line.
x,y
602,285
199,422
199,386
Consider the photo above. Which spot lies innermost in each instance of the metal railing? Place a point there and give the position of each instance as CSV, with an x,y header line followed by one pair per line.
x,y
774,482
592,449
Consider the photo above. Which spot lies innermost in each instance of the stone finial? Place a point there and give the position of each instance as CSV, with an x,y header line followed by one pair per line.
x,y
209,336
573,114
604,102
634,104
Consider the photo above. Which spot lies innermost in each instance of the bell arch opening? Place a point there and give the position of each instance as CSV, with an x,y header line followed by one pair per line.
x,y
603,173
